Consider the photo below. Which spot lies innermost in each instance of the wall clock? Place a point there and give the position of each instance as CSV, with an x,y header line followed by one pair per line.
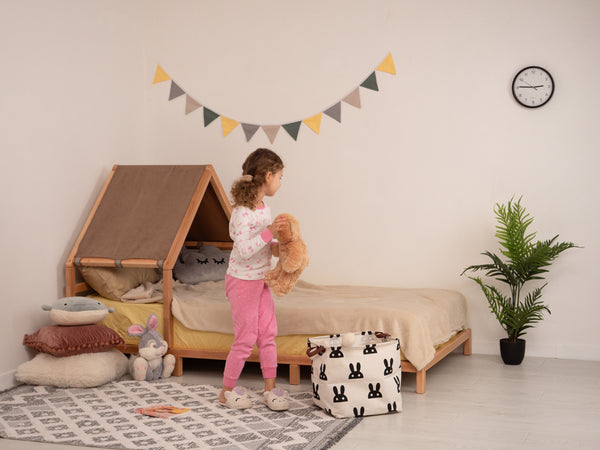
x,y
533,87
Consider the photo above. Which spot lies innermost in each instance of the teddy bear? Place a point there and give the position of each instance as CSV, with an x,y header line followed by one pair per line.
x,y
293,257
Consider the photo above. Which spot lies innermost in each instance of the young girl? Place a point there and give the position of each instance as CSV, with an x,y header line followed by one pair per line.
x,y
252,307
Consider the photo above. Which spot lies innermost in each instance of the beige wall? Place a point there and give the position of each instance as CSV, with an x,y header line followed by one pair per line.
x,y
400,193
71,107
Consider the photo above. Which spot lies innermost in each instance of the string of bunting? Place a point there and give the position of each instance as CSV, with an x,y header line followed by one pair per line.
x,y
292,128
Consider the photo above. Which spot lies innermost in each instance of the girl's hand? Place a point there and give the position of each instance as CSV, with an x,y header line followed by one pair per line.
x,y
277,225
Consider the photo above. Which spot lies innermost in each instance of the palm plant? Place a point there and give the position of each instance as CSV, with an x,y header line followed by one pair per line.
x,y
526,260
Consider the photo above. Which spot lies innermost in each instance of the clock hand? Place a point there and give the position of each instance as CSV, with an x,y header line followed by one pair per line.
x,y
532,87
529,85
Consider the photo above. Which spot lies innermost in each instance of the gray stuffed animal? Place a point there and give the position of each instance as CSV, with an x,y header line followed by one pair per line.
x,y
205,264
77,311
149,364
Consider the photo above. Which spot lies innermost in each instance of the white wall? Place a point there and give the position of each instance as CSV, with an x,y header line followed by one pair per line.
x,y
400,193
71,107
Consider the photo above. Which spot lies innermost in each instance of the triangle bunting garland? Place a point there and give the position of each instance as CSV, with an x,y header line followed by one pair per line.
x,y
292,128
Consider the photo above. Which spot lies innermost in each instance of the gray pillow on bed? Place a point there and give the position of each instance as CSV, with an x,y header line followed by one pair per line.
x,y
205,264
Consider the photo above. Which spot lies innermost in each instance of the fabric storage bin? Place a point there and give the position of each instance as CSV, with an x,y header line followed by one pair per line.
x,y
356,374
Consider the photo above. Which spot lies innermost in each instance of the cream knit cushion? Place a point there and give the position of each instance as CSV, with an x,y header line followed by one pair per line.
x,y
85,370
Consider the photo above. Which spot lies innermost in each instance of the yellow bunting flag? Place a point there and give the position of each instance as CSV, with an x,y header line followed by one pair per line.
x,y
228,125
314,122
387,65
160,75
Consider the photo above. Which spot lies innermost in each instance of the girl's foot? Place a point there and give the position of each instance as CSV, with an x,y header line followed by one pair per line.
x,y
237,398
277,399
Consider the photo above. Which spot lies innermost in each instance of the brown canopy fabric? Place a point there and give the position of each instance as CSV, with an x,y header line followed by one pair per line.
x,y
142,210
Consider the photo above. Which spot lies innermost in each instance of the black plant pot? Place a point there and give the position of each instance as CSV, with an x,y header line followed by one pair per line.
x,y
512,352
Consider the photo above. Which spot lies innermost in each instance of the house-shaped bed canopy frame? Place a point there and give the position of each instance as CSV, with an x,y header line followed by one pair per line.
x,y
142,218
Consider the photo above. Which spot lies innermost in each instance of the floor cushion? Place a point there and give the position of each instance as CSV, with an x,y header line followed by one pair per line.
x,y
84,370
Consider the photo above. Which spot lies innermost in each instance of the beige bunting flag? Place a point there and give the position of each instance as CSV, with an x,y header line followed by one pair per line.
x,y
353,98
191,104
271,131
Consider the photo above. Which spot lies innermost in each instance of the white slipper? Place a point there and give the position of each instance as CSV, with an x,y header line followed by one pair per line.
x,y
277,399
237,399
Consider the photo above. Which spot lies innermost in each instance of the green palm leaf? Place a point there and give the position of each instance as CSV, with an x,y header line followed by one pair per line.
x,y
526,260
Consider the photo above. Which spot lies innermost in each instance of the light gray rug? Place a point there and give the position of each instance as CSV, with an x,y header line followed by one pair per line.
x,y
105,417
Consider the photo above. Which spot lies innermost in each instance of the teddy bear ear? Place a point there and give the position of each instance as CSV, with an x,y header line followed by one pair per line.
x,y
294,228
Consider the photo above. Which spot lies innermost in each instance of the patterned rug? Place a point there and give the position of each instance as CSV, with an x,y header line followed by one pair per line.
x,y
106,417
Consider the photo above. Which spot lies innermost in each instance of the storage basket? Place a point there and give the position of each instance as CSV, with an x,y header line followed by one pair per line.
x,y
356,374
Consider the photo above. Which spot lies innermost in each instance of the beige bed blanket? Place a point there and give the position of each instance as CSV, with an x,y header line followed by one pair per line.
x,y
420,318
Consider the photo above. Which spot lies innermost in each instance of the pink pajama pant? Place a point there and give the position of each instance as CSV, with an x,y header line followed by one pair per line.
x,y
253,313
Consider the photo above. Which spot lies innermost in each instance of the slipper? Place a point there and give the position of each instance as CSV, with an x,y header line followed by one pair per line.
x,y
277,399
237,399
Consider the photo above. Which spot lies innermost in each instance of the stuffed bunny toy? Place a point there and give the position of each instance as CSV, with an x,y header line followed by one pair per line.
x,y
149,363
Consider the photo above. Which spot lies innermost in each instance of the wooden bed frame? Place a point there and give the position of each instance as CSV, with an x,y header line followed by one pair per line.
x,y
216,200
293,361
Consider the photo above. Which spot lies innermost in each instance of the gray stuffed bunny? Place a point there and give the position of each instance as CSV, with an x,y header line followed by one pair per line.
x,y
149,364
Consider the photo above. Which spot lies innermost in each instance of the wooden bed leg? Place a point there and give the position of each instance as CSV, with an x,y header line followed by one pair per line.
x,y
294,374
467,346
178,371
421,381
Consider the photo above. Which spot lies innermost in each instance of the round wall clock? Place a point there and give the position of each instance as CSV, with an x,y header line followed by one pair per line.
x,y
533,87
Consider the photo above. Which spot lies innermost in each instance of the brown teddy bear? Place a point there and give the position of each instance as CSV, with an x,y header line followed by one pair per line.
x,y
293,257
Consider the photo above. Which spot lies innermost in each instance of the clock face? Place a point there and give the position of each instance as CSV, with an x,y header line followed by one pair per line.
x,y
533,87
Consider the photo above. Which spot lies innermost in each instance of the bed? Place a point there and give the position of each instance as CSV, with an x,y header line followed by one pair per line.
x,y
145,215
430,323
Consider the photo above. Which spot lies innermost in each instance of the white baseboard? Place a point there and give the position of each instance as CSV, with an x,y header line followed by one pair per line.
x,y
7,380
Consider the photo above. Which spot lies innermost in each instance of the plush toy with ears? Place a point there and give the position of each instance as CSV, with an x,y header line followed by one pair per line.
x,y
149,364
293,257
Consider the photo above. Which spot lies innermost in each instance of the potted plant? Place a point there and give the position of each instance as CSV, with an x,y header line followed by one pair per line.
x,y
525,260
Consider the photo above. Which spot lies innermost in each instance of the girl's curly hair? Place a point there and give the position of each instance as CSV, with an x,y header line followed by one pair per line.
x,y
254,171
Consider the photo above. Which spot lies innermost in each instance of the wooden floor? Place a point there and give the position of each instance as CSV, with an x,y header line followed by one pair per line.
x,y
472,402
